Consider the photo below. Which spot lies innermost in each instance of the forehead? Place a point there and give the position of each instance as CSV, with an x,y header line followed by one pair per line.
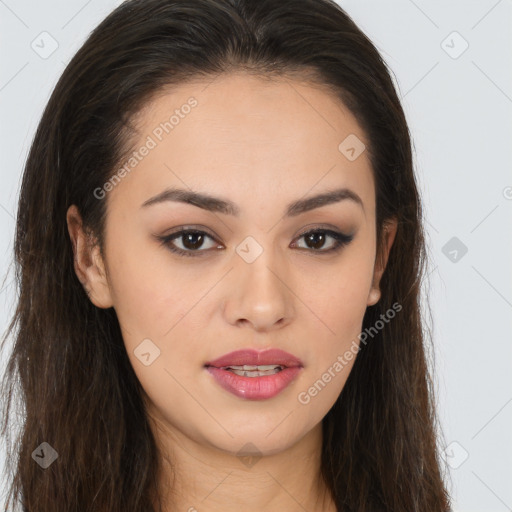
x,y
238,103
241,132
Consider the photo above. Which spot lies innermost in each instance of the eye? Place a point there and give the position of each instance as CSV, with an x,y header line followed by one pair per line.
x,y
316,239
192,241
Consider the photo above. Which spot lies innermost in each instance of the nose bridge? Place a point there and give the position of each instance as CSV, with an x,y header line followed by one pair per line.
x,y
260,295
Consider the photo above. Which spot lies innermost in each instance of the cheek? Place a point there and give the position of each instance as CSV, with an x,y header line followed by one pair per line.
x,y
154,303
148,291
341,309
339,296
339,299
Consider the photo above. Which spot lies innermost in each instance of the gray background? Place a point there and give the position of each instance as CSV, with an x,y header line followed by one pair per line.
x,y
458,102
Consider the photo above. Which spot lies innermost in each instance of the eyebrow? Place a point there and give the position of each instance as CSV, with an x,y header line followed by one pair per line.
x,y
220,205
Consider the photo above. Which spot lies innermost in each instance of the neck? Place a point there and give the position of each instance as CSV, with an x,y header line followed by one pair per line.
x,y
199,477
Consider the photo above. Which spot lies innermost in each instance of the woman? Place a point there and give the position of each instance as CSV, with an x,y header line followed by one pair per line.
x,y
220,251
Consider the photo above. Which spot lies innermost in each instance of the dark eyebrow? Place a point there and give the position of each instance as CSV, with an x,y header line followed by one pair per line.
x,y
217,204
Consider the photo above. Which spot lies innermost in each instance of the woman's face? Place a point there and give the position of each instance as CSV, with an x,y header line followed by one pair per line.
x,y
260,151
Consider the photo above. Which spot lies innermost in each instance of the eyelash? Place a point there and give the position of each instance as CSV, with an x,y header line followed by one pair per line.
x,y
341,240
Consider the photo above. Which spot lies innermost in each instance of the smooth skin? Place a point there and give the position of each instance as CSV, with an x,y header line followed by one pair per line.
x,y
262,145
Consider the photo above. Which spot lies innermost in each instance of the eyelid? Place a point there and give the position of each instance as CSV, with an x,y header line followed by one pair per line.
x,y
320,227
190,227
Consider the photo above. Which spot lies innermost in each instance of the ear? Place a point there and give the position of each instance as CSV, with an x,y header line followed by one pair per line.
x,y
88,263
388,237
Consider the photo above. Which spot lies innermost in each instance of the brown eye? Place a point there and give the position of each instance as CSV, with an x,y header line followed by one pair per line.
x,y
316,240
192,241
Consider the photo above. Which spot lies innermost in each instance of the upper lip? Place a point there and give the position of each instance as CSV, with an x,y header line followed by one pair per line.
x,y
256,358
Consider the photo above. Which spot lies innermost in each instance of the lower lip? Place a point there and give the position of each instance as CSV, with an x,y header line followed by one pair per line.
x,y
254,388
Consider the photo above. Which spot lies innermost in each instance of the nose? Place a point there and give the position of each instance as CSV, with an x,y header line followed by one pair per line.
x,y
259,294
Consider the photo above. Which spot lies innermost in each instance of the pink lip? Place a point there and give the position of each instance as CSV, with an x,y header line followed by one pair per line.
x,y
255,388
254,357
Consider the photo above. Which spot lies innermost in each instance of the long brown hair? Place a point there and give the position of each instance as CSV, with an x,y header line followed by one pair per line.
x,y
76,387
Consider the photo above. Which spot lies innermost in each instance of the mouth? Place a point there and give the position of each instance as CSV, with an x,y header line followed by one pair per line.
x,y
254,375
251,360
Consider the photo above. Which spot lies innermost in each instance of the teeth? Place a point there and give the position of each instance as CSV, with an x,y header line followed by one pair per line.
x,y
249,373
261,368
254,371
